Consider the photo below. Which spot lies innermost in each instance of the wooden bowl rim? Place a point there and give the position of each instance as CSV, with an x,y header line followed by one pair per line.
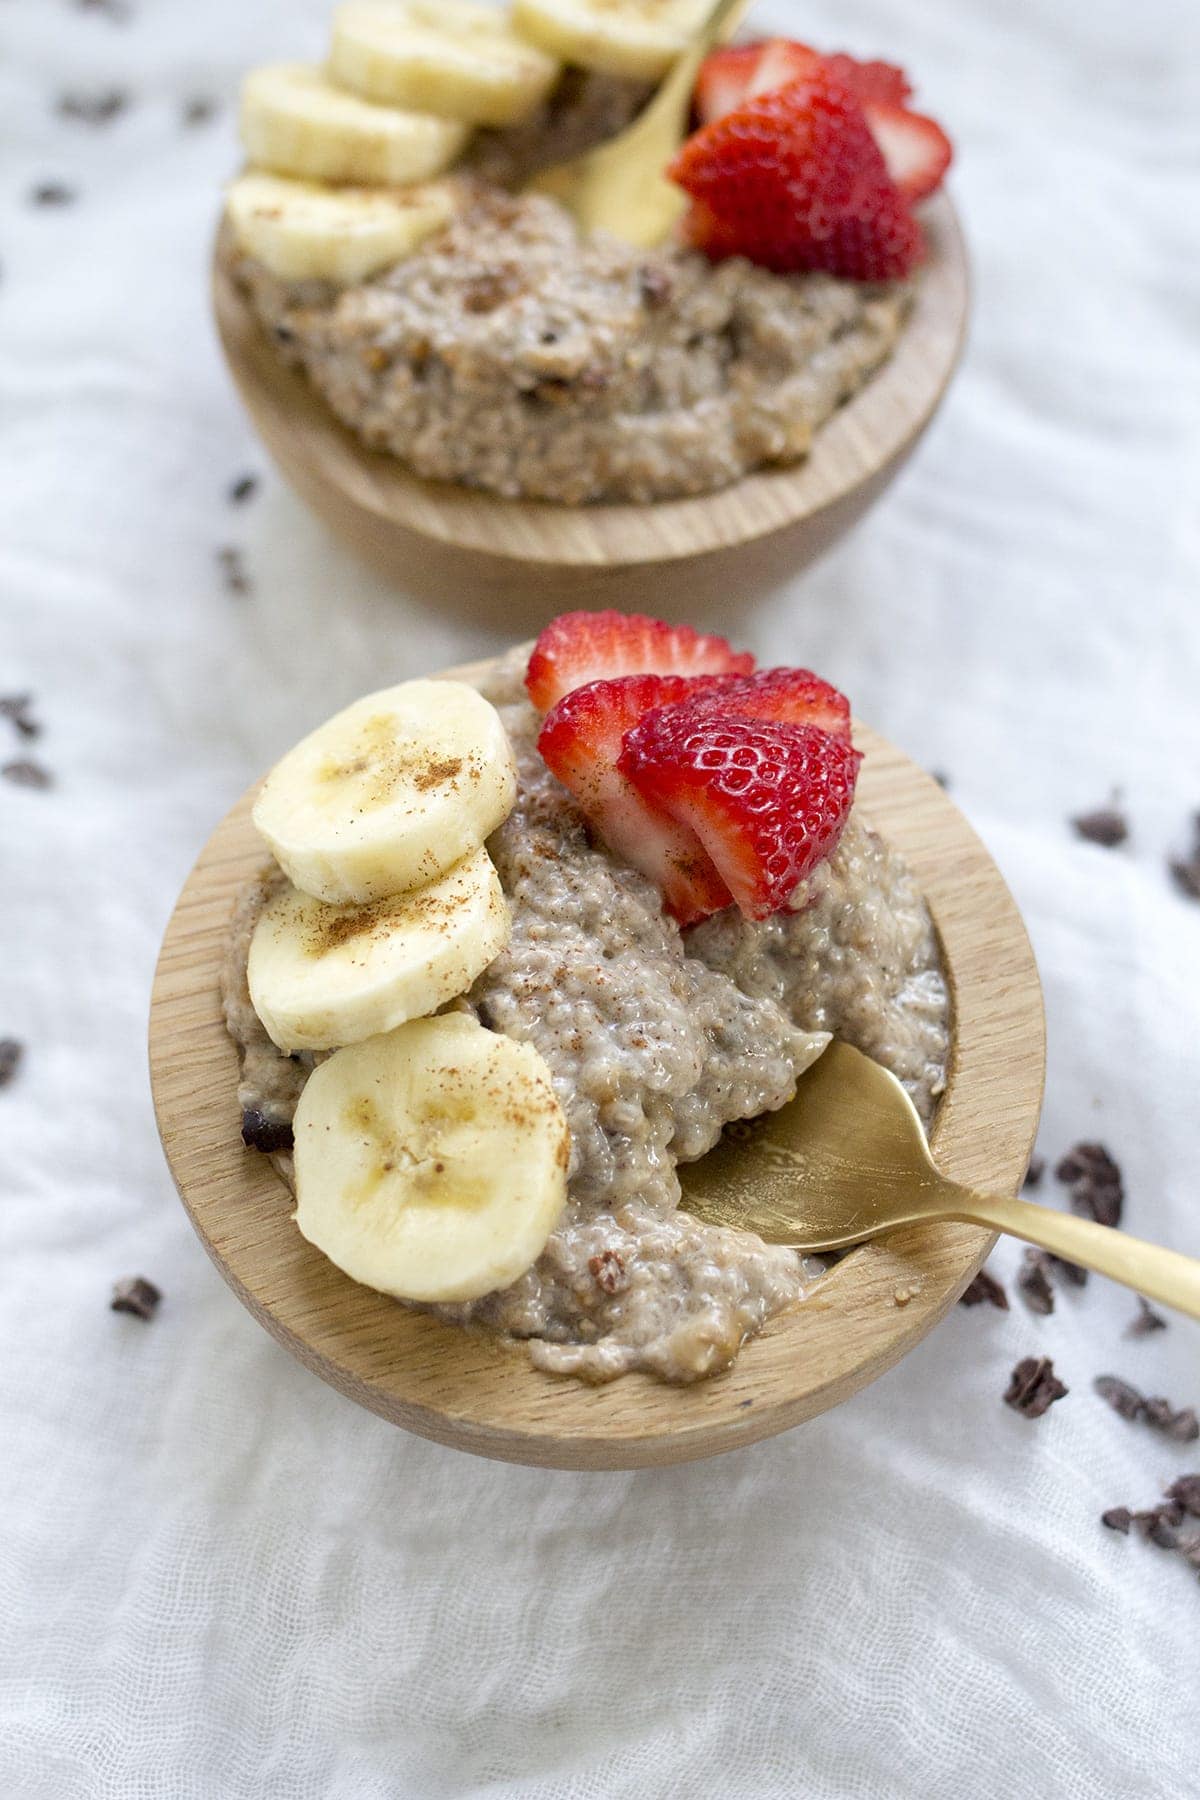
x,y
865,436
466,1388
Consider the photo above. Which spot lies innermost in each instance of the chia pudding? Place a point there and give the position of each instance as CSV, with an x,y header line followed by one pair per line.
x,y
510,353
655,1041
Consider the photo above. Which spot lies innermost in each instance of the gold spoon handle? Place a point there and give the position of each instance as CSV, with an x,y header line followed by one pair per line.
x,y
672,103
720,24
1159,1274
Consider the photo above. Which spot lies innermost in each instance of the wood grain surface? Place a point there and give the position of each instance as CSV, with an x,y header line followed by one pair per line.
x,y
475,549
472,1391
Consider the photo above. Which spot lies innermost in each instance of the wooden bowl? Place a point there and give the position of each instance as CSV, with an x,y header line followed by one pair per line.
x,y
469,1389
476,550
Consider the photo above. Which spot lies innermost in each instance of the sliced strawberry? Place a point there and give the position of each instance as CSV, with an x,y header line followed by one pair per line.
x,y
735,74
581,741
916,149
580,647
794,180
780,697
768,802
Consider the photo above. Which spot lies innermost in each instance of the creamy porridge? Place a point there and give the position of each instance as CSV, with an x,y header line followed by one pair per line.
x,y
508,353
655,1040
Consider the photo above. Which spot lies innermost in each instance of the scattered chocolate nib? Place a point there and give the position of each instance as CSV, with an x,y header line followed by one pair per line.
x,y
27,774
15,708
1035,1171
93,109
608,1271
1095,1183
1119,1395
1034,1387
233,568
1069,1272
1165,1525
137,1296
985,1289
1033,1280
11,1052
1147,1320
1105,826
941,777
1185,870
52,193
1182,1427
261,1133
199,110
1159,1526
1186,1493
244,488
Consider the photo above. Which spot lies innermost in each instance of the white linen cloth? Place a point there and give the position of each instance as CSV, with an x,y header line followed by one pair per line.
x,y
220,1579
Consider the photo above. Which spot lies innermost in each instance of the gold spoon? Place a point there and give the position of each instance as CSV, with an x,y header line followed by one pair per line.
x,y
847,1160
620,186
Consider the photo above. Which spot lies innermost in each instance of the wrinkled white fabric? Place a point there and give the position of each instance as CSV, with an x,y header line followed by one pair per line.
x,y
220,1579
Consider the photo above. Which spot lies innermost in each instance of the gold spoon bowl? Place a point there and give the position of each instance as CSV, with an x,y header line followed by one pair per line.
x,y
847,1160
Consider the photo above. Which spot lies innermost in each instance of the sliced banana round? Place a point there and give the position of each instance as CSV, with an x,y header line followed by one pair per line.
x,y
326,975
295,122
389,794
431,1163
450,57
637,38
302,231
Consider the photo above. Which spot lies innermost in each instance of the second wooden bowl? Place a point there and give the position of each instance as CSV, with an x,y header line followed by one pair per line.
x,y
466,1388
477,550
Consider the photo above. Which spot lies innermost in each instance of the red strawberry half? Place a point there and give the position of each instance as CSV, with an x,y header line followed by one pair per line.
x,y
767,801
794,180
781,697
581,741
580,647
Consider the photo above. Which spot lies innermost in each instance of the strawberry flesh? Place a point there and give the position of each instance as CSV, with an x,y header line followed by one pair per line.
x,y
767,801
581,742
580,647
794,180
724,80
916,149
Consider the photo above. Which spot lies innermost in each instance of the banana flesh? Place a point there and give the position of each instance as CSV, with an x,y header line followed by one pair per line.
x,y
431,1162
294,121
304,231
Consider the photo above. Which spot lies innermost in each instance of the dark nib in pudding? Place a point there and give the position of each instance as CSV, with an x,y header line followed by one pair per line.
x,y
260,1132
